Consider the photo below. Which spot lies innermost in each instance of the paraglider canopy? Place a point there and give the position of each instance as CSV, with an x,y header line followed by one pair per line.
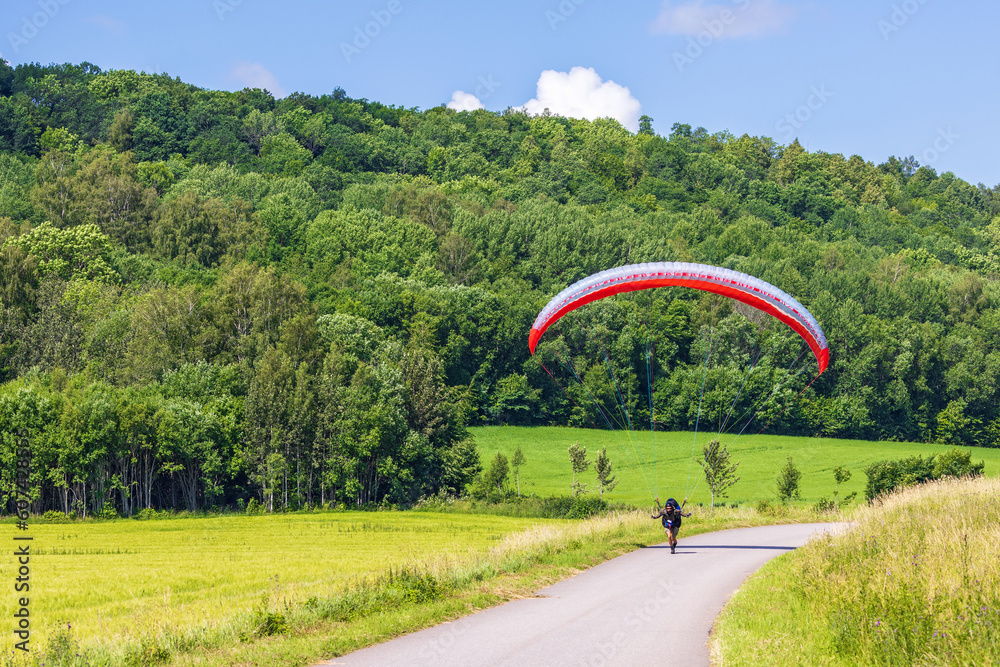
x,y
726,282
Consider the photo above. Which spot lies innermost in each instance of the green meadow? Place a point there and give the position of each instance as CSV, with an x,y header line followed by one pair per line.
x,y
126,581
664,465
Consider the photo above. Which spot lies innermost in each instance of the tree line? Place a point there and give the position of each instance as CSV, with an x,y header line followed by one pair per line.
x,y
362,278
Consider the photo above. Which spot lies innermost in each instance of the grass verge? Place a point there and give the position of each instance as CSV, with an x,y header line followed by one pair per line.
x,y
915,582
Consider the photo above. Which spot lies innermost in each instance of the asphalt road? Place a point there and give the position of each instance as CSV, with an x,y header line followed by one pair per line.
x,y
646,607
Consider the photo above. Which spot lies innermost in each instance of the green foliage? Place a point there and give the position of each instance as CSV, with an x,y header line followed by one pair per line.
x,y
602,466
841,475
265,623
765,506
81,252
720,474
493,485
579,463
824,505
108,511
516,462
788,481
887,476
552,507
150,226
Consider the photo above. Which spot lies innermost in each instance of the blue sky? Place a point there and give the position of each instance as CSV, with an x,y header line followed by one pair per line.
x,y
874,78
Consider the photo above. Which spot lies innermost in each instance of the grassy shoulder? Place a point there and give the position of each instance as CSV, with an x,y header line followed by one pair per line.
x,y
388,601
916,581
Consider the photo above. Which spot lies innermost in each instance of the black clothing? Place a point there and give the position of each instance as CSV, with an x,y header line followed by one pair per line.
x,y
670,516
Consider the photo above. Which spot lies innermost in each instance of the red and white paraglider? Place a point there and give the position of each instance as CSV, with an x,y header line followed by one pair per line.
x,y
726,282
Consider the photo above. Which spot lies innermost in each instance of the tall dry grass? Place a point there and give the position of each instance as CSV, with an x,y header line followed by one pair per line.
x,y
915,582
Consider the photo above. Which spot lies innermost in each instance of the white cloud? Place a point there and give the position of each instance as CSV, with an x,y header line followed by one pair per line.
x,y
742,18
255,75
463,101
580,93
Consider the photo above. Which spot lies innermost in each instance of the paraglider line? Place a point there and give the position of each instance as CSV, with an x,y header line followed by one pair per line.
x,y
569,367
789,403
697,418
755,359
623,408
774,392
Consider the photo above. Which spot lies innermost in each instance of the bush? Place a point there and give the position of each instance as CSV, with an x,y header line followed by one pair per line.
x,y
253,507
887,476
108,512
553,507
55,515
145,514
956,463
767,508
264,623
823,505
584,506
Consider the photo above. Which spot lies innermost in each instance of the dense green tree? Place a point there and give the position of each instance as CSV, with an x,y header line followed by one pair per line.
x,y
385,264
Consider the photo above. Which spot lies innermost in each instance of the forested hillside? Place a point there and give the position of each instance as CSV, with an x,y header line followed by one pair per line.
x,y
212,297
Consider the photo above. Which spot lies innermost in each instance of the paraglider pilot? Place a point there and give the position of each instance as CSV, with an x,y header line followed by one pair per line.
x,y
670,514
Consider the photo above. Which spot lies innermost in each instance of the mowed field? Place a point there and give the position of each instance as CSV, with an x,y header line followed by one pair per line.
x,y
124,580
646,466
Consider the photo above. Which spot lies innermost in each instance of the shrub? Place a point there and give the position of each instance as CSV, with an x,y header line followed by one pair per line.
x,y
586,506
887,476
108,512
253,507
824,504
956,463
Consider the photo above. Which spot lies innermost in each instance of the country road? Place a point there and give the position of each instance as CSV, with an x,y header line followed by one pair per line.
x,y
646,607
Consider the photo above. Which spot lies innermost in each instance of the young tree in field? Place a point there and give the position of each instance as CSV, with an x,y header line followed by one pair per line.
x,y
842,474
720,474
602,467
516,464
578,459
497,475
788,481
